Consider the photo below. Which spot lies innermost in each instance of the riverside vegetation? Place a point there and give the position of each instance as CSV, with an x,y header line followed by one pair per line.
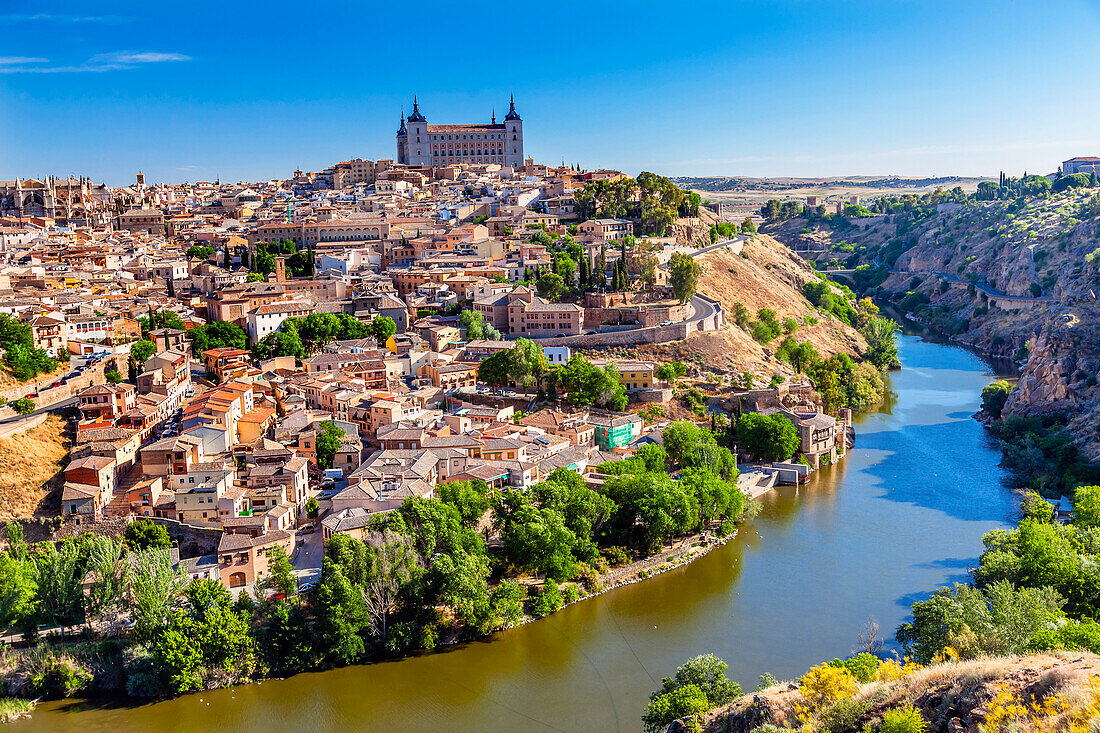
x,y
424,575
1034,592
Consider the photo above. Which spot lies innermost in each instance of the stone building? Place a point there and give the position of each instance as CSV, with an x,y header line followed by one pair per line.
x,y
419,143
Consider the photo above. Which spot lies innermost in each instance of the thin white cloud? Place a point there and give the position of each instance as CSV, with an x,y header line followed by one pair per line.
x,y
7,60
136,57
187,168
51,18
113,61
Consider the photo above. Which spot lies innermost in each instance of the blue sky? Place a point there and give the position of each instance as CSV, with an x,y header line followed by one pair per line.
x,y
803,87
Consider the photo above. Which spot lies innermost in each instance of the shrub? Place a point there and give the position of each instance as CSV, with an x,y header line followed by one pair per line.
x,y
766,680
699,685
588,577
616,555
843,715
23,406
994,397
906,719
571,592
824,685
548,599
861,666
667,707
59,677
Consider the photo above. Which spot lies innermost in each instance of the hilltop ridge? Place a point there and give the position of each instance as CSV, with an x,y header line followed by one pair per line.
x,y
1015,279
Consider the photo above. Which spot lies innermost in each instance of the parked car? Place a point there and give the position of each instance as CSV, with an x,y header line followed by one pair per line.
x,y
55,384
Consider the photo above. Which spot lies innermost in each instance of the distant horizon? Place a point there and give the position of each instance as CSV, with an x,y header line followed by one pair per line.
x,y
872,176
761,88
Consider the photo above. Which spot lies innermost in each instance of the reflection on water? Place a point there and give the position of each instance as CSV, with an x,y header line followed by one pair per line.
x,y
901,515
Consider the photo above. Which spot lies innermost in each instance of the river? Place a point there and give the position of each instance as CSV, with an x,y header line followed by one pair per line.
x,y
904,513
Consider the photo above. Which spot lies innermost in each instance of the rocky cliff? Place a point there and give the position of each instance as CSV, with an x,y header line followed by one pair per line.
x,y
1061,376
1016,280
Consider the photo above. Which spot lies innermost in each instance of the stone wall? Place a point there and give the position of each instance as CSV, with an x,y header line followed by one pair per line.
x,y
650,335
45,397
193,541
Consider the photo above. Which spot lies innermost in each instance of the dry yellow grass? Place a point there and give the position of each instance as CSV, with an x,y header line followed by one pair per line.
x,y
770,277
30,464
7,379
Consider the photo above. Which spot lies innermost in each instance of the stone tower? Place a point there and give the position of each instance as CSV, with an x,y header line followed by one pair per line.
x,y
513,128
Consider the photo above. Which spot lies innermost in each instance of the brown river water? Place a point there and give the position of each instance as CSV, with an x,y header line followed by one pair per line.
x,y
904,513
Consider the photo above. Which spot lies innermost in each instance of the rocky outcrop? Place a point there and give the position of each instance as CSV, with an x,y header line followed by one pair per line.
x,y
958,697
694,231
973,274
1061,376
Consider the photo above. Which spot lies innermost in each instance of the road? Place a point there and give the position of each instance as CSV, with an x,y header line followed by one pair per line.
x,y
702,308
309,557
718,245
990,292
63,404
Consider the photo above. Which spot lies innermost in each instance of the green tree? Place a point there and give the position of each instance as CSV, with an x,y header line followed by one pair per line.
x,y
328,442
506,604
342,618
882,349
156,586
286,639
23,406
495,369
699,685
470,498
393,566
382,327
683,276
1086,506
140,351
280,574
108,572
144,534
199,252
476,327
313,508
113,376
994,397
217,334
670,371
551,286
528,362
18,590
653,456
997,620
767,437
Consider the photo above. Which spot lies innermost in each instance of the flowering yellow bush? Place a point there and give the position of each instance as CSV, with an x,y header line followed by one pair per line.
x,y
890,670
1057,713
824,684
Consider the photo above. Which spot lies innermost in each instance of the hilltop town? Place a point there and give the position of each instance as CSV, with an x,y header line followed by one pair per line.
x,y
254,369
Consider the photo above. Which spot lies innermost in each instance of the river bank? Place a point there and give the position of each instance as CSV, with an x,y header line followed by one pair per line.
x,y
899,517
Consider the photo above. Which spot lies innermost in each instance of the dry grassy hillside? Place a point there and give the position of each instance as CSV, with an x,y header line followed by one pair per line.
x,y
30,469
1052,692
767,276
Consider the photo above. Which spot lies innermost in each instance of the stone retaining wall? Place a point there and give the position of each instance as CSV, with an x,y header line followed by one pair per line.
x,y
651,335
45,397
